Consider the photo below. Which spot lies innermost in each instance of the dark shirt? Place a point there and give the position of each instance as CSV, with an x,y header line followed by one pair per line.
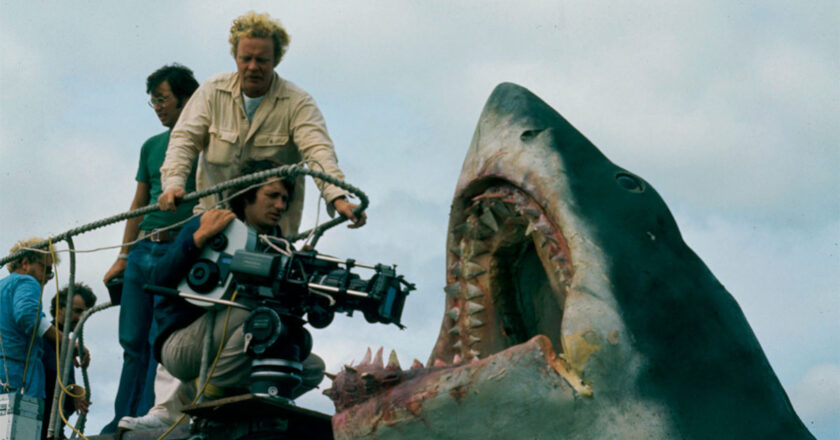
x,y
48,359
148,172
174,313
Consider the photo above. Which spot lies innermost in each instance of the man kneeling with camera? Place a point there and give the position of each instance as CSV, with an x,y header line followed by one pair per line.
x,y
182,326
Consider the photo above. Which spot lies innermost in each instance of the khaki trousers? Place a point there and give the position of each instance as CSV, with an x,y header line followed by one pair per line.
x,y
181,356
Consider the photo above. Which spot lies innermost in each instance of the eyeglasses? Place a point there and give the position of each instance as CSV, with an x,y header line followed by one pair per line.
x,y
158,101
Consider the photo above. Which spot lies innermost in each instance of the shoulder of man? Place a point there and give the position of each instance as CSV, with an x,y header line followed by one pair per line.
x,y
154,141
21,281
223,81
160,137
290,89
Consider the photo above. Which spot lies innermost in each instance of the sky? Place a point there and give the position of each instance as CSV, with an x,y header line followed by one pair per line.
x,y
731,110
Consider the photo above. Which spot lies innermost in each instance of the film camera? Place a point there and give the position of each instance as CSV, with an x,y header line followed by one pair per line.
x,y
285,288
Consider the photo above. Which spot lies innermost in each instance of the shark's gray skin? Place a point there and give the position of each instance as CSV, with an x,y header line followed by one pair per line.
x,y
548,237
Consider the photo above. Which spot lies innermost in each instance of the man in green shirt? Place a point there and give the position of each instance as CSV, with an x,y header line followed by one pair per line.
x,y
170,87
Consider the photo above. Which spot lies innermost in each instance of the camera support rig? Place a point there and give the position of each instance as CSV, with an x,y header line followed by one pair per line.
x,y
281,286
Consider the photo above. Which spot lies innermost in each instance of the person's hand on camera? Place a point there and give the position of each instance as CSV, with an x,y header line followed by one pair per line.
x,y
212,222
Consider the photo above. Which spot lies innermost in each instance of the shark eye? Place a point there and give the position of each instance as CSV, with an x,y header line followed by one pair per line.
x,y
629,183
528,135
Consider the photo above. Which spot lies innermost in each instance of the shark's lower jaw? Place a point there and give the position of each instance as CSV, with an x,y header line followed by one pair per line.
x,y
508,270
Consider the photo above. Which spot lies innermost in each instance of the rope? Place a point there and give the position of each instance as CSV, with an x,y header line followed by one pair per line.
x,y
282,171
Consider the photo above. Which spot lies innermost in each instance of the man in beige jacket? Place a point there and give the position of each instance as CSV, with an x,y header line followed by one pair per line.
x,y
252,114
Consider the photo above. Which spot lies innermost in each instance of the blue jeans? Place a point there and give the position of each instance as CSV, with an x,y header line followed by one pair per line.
x,y
136,394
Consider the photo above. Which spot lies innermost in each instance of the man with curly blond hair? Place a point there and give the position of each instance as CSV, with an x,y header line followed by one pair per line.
x,y
252,113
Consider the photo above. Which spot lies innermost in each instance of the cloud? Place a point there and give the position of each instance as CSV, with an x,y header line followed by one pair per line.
x,y
817,400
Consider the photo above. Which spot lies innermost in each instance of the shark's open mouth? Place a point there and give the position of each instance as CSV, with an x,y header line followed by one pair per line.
x,y
508,269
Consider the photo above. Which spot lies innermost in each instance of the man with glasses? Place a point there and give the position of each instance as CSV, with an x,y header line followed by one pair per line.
x,y
170,88
22,323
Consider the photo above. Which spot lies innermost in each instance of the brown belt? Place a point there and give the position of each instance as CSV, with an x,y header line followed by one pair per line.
x,y
164,236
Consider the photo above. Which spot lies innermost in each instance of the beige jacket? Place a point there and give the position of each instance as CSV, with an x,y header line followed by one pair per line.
x,y
287,126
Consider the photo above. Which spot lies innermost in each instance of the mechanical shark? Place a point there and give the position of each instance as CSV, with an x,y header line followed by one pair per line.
x,y
574,310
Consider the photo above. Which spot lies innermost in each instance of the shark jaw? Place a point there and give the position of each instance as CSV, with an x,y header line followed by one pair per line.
x,y
508,271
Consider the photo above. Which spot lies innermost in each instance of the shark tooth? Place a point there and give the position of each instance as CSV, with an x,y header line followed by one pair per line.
x,y
457,251
472,270
475,322
474,340
478,248
461,229
474,353
501,210
474,359
473,291
490,221
558,258
456,359
456,269
480,232
393,361
349,369
377,360
529,229
453,313
416,364
455,330
452,289
439,363
474,308
366,359
330,375
457,345
544,228
530,211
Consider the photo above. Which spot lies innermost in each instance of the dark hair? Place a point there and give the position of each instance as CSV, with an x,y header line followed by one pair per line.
x,y
237,204
180,79
80,289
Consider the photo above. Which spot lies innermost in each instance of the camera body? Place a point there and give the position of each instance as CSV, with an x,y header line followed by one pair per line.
x,y
290,288
305,282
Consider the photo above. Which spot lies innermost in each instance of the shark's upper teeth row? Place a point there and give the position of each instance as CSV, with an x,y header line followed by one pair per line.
x,y
497,212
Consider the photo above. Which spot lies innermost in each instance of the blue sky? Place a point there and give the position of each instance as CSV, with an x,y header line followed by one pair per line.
x,y
729,110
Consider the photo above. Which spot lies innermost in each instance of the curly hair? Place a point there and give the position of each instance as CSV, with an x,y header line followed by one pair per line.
x,y
253,25
29,255
80,289
180,79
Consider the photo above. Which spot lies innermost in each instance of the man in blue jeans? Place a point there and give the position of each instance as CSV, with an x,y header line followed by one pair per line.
x,y
170,87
